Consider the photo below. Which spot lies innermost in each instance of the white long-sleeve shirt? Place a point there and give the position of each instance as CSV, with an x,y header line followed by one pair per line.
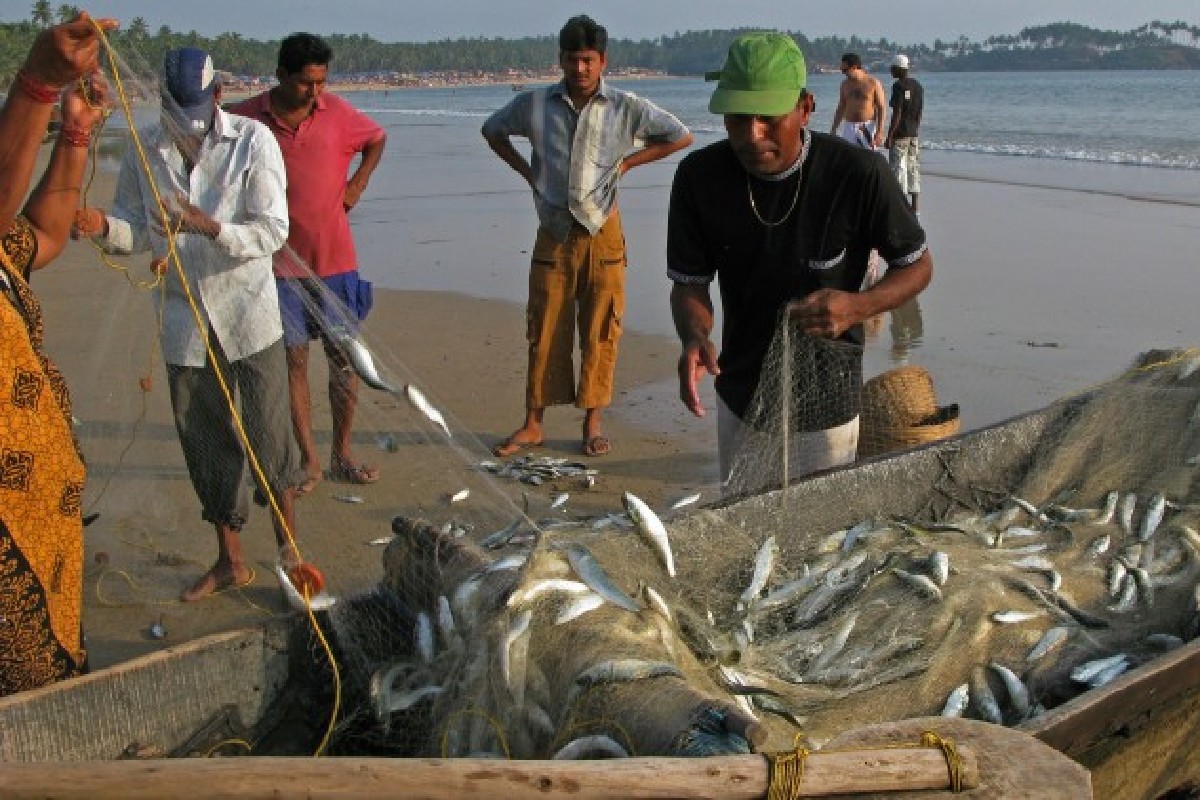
x,y
239,180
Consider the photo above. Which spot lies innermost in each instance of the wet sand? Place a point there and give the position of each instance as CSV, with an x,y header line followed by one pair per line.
x,y
1037,293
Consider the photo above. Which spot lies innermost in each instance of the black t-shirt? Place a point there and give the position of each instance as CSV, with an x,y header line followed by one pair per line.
x,y
847,203
908,100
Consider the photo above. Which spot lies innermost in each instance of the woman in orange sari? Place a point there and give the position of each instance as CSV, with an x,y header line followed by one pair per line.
x,y
41,468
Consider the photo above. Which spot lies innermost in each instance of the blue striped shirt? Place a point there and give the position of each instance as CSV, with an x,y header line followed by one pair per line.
x,y
577,153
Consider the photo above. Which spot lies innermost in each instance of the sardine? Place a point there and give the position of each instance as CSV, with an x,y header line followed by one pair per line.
x,y
406,700
518,628
1099,545
938,565
590,747
1110,508
1030,509
461,494
685,501
423,637
764,565
833,648
854,534
559,501
655,601
1018,692
359,357
1014,617
1116,577
590,572
502,537
956,703
921,583
527,594
1127,597
1049,641
982,698
1145,586
651,528
421,403
445,623
1125,512
832,594
775,705
578,607
739,683
514,561
792,590
1108,674
1087,671
1152,517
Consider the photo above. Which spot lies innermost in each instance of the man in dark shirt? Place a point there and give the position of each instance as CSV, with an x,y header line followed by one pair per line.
x,y
784,219
904,154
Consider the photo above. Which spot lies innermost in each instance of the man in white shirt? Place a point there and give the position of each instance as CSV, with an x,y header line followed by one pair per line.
x,y
223,182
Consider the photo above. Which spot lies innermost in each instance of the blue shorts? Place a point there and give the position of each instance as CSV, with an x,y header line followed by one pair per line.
x,y
311,307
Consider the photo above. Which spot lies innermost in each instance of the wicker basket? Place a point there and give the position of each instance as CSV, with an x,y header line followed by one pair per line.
x,y
900,410
901,396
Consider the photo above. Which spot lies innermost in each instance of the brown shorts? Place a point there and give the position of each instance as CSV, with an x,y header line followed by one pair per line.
x,y
578,282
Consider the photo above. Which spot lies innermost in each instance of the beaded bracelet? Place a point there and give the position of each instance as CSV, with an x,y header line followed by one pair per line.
x,y
75,136
37,90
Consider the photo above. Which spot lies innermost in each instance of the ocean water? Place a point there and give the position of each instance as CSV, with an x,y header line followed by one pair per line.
x,y
1134,132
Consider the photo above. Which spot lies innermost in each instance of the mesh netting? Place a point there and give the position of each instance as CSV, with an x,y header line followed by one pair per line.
x,y
513,622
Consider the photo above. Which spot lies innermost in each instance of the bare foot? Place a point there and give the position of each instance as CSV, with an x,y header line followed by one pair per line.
x,y
218,578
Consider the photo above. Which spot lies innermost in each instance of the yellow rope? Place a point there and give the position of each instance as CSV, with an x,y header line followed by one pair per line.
x,y
175,262
785,770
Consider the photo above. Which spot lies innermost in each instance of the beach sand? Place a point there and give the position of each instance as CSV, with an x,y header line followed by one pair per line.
x,y
1037,293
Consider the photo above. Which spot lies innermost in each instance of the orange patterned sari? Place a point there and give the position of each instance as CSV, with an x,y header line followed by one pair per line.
x,y
41,486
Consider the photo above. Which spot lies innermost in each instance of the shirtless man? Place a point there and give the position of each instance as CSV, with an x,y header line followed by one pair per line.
x,y
861,106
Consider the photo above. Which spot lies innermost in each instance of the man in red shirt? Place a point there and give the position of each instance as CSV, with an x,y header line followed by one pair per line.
x,y
317,272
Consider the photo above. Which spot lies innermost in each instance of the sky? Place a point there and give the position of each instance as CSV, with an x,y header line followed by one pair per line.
x,y
901,21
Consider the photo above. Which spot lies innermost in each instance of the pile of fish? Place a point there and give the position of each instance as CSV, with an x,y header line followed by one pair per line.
x,y
536,470
472,651
1022,565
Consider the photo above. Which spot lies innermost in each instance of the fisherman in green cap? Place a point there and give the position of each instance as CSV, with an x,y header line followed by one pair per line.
x,y
785,219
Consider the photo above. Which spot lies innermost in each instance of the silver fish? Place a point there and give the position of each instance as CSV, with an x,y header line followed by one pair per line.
x,y
1014,617
1116,577
1030,509
406,700
1145,586
1152,517
1189,366
423,637
790,591
1164,641
776,706
1050,640
1125,512
461,494
1109,674
655,601
833,648
382,540
856,533
1018,693
983,699
764,565
559,501
514,561
349,498
590,572
651,528
421,403
938,565
956,703
1087,672
685,501
590,747
578,607
1034,564
526,594
1099,545
1127,596
921,583
518,628
445,623
503,536
360,358
157,629
1110,508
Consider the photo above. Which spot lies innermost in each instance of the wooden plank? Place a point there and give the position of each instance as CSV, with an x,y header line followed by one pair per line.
x,y
159,699
1139,734
730,777
1129,700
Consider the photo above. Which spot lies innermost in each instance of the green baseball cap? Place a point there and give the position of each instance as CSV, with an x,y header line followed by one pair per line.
x,y
763,75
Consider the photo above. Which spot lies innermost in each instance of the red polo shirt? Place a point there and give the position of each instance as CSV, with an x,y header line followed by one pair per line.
x,y
317,156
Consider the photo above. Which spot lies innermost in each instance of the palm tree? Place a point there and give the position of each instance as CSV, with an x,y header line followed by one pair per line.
x,y
42,16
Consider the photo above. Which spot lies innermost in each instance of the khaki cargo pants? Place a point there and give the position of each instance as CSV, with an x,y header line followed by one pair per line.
x,y
578,282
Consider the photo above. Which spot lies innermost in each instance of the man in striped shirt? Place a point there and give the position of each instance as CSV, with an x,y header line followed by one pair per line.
x,y
583,136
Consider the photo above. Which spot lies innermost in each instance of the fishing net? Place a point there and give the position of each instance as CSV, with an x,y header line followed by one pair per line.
x,y
530,608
